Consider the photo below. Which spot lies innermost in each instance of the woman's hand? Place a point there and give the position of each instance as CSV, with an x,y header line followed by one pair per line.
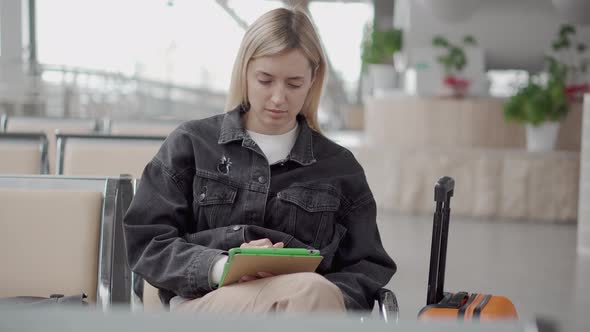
x,y
262,243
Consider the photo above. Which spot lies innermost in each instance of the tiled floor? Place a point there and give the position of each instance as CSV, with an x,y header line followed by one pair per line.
x,y
533,264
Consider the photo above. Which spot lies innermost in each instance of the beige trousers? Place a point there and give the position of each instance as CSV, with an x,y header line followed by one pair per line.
x,y
291,293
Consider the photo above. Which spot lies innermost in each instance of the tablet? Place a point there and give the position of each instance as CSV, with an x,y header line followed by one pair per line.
x,y
249,261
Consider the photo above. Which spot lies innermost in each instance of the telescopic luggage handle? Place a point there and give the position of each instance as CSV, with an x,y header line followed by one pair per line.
x,y
444,188
443,191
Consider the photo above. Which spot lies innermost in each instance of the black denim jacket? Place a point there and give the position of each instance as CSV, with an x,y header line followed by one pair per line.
x,y
210,188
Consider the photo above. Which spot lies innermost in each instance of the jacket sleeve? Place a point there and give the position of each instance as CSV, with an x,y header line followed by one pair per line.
x,y
361,266
155,224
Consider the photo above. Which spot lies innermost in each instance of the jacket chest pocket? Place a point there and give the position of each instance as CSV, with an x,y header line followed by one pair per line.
x,y
213,202
308,214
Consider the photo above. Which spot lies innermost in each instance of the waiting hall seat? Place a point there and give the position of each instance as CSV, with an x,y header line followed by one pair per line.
x,y
147,299
63,235
23,153
141,127
105,155
49,125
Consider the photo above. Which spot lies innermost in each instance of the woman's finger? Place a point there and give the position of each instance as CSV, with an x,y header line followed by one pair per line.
x,y
264,274
260,243
247,278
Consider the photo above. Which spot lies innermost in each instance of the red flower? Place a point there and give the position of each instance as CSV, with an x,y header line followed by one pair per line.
x,y
456,83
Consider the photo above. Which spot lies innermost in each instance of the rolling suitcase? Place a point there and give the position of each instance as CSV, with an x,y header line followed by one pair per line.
x,y
461,305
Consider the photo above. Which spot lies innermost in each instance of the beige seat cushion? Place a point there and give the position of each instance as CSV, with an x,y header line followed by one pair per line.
x,y
20,157
86,157
49,242
143,128
49,126
151,300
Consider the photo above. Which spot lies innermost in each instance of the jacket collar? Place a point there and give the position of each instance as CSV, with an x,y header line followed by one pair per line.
x,y
232,129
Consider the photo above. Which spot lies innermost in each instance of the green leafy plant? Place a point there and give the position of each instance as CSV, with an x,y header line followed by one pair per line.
x,y
454,58
565,41
536,103
379,46
577,66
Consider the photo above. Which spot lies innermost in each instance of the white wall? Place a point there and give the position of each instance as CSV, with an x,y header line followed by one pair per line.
x,y
514,34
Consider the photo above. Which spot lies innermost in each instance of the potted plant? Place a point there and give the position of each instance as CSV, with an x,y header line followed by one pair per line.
x,y
541,104
453,61
377,51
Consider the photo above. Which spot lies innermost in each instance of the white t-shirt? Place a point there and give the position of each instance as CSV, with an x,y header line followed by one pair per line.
x,y
275,147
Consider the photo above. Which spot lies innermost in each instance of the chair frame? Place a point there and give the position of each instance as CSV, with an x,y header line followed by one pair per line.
x,y
43,146
63,138
388,307
113,277
3,119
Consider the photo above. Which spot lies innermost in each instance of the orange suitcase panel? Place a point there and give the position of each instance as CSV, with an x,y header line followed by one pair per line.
x,y
498,307
476,307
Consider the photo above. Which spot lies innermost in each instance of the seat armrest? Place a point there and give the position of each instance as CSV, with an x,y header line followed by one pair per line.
x,y
388,307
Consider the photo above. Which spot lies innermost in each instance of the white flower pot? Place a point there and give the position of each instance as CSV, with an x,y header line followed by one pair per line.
x,y
543,137
382,78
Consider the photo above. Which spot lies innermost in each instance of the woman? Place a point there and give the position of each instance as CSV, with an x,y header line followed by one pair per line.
x,y
260,175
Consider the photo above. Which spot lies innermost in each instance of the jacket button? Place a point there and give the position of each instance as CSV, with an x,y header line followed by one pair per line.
x,y
236,228
202,197
262,179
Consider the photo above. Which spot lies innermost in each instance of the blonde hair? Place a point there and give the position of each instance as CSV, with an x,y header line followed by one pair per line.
x,y
277,31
